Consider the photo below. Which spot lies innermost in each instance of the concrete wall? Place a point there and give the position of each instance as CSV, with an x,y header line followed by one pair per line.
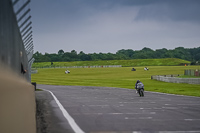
x,y
176,80
17,96
17,104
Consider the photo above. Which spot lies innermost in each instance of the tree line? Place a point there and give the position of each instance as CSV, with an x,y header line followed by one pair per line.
x,y
190,54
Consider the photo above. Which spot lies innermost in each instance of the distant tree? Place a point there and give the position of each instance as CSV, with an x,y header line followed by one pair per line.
x,y
37,56
61,52
140,55
94,56
145,53
145,49
74,52
169,54
120,56
160,53
110,56
41,58
54,57
74,55
192,54
67,56
197,57
84,57
195,54
128,53
81,52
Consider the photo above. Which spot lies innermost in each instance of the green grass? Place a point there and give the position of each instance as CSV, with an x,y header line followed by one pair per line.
x,y
121,77
127,63
39,90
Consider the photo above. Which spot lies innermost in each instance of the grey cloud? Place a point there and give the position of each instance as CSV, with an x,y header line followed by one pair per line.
x,y
175,10
110,25
161,10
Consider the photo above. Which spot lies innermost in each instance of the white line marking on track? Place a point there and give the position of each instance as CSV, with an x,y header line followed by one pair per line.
x,y
140,118
171,94
98,105
179,132
71,121
192,119
169,132
151,113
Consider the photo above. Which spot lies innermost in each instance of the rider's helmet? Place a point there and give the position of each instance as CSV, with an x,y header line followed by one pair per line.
x,y
138,81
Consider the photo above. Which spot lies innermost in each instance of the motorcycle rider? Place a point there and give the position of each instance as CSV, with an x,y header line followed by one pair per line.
x,y
139,85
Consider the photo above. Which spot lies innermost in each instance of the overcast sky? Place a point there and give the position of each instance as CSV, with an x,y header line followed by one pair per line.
x,y
110,25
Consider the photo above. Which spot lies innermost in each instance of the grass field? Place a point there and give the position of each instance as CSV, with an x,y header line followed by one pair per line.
x,y
121,77
126,63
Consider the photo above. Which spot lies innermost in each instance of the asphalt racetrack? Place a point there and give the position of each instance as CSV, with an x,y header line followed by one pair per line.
x,y
118,110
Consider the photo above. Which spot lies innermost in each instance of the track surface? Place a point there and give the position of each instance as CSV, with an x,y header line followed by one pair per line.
x,y
104,109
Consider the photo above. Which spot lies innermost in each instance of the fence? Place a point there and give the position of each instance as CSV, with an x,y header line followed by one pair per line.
x,y
102,66
16,45
17,96
174,79
192,72
34,71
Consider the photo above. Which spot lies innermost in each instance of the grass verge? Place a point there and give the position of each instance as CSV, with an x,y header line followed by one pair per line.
x,y
39,90
124,63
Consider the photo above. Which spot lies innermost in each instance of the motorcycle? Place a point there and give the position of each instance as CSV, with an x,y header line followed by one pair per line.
x,y
141,92
140,88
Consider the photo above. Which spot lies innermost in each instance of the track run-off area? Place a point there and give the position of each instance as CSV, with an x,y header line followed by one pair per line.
x,y
117,110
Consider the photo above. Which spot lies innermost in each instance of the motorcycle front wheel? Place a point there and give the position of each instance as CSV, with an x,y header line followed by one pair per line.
x,y
141,92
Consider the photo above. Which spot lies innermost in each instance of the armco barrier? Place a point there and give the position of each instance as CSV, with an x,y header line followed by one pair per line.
x,y
102,66
173,79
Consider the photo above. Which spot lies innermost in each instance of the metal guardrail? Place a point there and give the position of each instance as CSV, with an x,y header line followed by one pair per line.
x,y
102,66
174,79
34,71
